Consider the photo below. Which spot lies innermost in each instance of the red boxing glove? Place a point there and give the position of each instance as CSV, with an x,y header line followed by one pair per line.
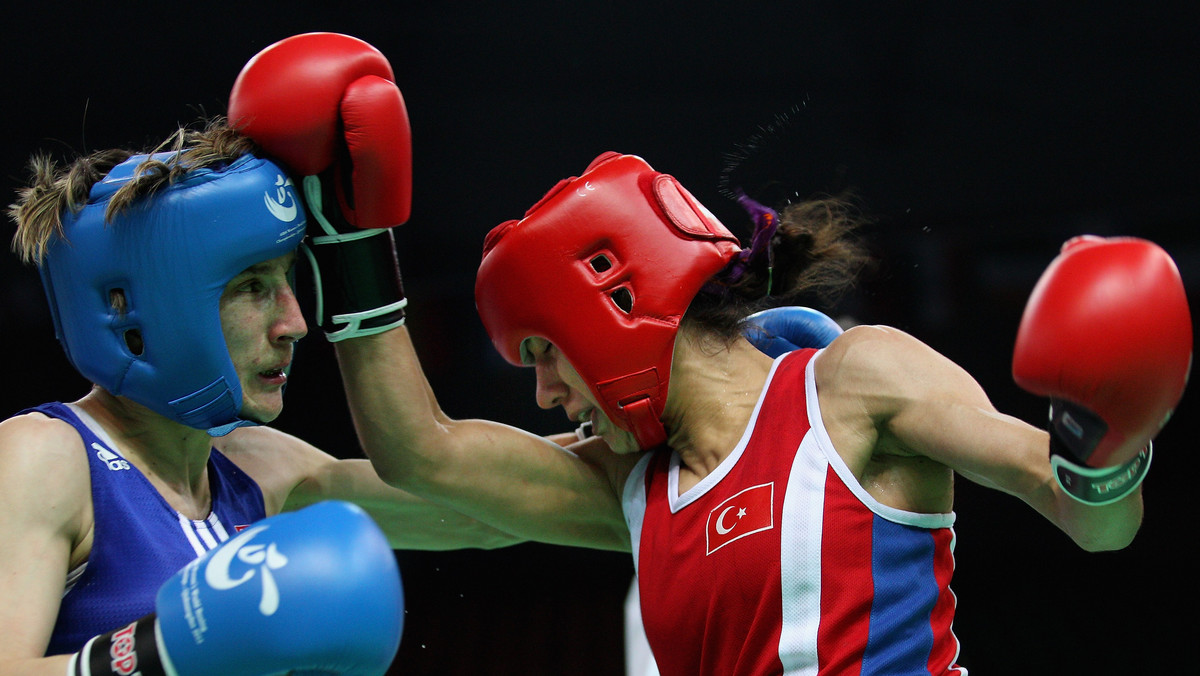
x,y
328,102
325,105
1107,335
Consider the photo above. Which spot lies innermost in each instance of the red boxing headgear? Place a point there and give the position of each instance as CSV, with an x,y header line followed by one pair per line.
x,y
603,267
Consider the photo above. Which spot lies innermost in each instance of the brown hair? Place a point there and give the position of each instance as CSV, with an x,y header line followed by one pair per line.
x,y
817,257
54,190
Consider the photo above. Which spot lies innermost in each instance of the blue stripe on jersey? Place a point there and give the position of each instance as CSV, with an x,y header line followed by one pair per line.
x,y
905,593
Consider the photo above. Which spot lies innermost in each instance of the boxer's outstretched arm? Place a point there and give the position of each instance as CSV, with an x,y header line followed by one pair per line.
x,y
517,481
889,393
293,474
328,106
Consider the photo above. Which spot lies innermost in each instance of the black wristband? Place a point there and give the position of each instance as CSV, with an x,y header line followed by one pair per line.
x,y
1075,431
356,273
358,285
132,649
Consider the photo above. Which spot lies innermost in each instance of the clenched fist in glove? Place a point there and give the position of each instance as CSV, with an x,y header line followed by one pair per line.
x,y
326,105
1107,336
315,591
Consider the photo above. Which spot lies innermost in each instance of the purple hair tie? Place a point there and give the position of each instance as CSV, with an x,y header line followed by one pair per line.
x,y
766,221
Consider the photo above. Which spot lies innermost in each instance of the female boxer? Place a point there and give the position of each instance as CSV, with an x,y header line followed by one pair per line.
x,y
788,515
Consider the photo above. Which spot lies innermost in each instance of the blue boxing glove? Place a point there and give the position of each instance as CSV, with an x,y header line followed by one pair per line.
x,y
312,591
784,329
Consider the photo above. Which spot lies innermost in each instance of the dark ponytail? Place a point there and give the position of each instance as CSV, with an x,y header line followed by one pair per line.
x,y
812,257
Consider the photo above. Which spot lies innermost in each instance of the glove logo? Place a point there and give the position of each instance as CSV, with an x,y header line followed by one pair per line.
x,y
265,557
123,651
283,205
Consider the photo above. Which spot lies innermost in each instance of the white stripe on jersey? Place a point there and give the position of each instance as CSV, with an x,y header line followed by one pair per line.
x,y
633,503
214,523
73,577
801,533
800,550
203,535
186,525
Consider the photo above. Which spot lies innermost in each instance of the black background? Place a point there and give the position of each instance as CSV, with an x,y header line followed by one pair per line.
x,y
980,136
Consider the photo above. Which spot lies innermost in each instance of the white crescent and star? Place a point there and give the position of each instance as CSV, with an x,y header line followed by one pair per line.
x,y
721,527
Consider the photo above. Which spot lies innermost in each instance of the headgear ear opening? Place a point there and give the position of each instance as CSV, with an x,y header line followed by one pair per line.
x,y
136,302
604,267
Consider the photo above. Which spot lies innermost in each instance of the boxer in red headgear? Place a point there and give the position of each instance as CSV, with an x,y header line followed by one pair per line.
x,y
587,246
790,514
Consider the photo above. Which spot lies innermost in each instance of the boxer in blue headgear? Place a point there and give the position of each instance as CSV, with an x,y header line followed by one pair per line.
x,y
134,294
168,274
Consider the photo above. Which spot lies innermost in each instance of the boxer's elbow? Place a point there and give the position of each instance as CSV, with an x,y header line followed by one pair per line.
x,y
1106,528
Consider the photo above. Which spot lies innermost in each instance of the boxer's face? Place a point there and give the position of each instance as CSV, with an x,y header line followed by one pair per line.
x,y
261,320
559,384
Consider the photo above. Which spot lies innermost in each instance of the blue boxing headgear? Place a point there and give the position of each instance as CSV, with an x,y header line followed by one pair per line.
x,y
170,254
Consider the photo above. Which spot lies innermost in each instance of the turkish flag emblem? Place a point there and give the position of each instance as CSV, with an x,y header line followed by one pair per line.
x,y
746,513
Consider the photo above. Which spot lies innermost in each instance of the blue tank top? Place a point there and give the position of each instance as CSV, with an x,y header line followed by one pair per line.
x,y
139,541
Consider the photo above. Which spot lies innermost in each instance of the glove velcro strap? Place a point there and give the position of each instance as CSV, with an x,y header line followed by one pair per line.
x,y
355,271
132,649
1076,427
368,323
358,286
1103,485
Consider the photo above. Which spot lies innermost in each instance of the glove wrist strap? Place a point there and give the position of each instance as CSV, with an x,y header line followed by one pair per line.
x,y
132,649
357,276
1103,485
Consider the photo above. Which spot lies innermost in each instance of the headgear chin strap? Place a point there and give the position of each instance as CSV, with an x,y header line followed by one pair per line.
x,y
170,256
604,267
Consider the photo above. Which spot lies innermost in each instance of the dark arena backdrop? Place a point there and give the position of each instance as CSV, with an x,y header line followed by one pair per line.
x,y
979,135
